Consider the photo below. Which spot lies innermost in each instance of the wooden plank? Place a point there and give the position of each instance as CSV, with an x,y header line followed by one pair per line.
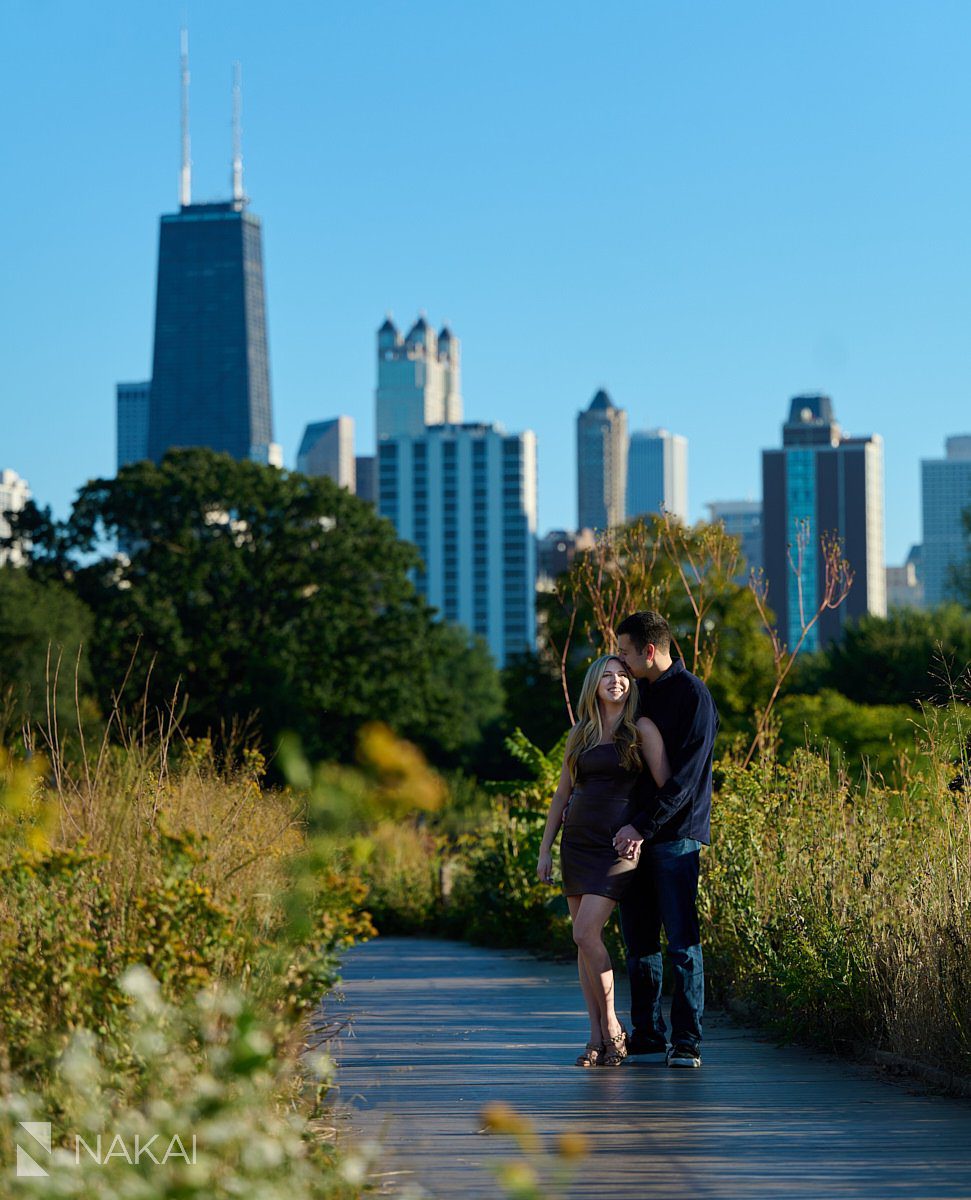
x,y
440,1028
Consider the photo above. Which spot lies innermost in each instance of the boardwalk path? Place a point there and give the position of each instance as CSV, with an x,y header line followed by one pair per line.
x,y
440,1028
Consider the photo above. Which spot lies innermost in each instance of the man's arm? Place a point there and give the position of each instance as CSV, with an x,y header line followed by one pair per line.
x,y
688,765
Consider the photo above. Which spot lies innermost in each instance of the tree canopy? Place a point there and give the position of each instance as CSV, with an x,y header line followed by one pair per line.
x,y
907,657
42,629
259,594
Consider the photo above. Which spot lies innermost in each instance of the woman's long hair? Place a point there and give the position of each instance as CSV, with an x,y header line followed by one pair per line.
x,y
589,729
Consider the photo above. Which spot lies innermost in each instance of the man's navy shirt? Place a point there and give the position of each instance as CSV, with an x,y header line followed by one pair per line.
x,y
681,707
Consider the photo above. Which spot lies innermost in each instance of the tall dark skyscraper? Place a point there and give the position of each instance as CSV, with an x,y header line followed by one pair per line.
x,y
210,368
823,482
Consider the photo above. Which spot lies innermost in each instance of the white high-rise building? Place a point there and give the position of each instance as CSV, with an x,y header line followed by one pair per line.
x,y
132,401
657,474
327,448
14,494
945,496
466,496
601,464
419,380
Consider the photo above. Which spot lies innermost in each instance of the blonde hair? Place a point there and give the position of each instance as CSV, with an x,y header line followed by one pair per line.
x,y
589,728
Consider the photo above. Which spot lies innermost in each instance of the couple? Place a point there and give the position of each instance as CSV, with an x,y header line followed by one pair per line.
x,y
634,803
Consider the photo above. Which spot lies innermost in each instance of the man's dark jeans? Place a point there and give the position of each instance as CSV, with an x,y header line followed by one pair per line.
x,y
665,892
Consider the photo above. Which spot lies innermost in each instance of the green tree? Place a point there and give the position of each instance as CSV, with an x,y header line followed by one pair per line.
x,y
908,657
534,701
42,628
261,594
878,735
463,696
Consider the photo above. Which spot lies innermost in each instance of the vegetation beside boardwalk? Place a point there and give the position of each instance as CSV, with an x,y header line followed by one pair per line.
x,y
839,909
168,926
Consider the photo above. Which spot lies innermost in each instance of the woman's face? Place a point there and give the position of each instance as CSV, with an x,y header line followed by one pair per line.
x,y
615,684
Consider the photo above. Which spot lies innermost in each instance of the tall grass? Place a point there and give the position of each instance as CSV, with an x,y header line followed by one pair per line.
x,y
842,910
168,928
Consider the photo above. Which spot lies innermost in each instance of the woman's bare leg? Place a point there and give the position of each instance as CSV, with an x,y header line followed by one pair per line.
x,y
586,983
589,920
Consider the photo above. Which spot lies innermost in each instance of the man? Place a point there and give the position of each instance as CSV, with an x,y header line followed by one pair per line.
x,y
672,822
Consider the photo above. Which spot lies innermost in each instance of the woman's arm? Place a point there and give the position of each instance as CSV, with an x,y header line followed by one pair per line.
x,y
652,751
628,838
544,868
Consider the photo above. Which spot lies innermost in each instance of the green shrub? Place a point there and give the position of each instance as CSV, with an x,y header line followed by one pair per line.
x,y
202,1084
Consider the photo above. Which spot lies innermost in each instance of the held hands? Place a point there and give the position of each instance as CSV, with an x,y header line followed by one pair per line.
x,y
627,841
544,868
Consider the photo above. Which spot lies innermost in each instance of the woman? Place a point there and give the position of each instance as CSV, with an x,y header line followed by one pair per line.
x,y
605,753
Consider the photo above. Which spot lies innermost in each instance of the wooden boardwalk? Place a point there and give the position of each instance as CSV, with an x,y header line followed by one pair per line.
x,y
440,1029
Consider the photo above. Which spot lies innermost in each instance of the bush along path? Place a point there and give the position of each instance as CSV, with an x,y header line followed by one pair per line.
x,y
167,928
461,1060
835,910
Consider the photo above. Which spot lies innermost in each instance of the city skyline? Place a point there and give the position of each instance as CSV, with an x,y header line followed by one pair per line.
x,y
688,269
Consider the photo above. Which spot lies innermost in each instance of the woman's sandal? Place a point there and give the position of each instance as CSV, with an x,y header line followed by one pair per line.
x,y
615,1050
592,1055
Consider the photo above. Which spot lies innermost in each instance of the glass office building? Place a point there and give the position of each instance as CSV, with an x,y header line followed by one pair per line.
x,y
131,429
466,496
327,448
824,483
657,474
210,369
602,447
743,520
945,488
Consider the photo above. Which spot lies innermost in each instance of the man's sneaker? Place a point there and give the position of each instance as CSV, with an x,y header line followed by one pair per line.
x,y
649,1044
683,1056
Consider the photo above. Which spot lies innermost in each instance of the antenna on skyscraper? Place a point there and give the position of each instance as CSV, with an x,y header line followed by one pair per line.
x,y
185,176
237,131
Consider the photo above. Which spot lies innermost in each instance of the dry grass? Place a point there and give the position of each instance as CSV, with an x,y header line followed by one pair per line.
x,y
844,910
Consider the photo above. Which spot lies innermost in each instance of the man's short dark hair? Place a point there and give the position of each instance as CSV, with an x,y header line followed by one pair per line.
x,y
646,629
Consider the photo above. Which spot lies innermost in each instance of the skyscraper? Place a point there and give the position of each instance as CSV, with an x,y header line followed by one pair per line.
x,y
327,448
905,585
14,494
132,400
945,495
657,474
466,496
601,464
419,379
365,484
210,367
743,520
834,484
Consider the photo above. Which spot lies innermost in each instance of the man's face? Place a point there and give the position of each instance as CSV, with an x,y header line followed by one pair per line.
x,y
638,662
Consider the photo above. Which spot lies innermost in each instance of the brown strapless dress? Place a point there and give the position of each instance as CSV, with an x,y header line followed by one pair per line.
x,y
599,805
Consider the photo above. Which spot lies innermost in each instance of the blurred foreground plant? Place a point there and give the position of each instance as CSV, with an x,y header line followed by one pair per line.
x,y
221,1112
544,1170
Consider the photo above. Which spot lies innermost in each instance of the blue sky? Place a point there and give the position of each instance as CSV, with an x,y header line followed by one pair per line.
x,y
705,207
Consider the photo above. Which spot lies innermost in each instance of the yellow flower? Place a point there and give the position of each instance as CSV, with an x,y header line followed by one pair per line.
x,y
572,1145
503,1118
